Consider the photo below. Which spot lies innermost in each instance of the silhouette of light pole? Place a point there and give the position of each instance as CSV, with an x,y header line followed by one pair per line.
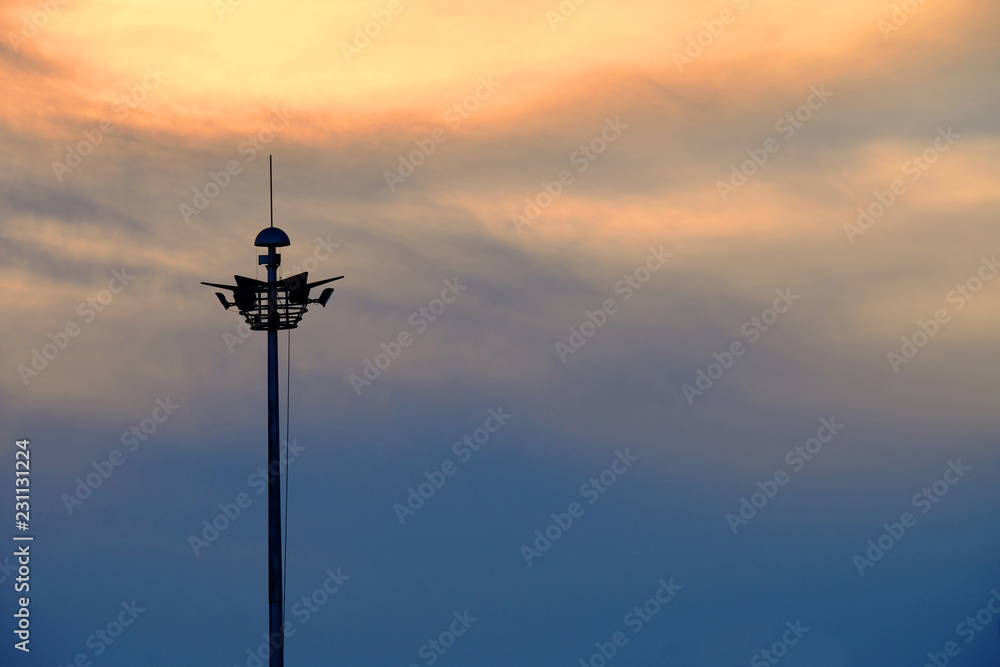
x,y
272,306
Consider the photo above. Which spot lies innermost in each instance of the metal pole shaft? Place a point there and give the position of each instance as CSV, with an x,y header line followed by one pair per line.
x,y
276,634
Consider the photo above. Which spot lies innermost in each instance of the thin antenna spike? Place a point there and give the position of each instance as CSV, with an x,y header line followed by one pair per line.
x,y
270,182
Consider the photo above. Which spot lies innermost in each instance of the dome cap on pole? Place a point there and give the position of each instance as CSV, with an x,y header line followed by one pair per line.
x,y
272,237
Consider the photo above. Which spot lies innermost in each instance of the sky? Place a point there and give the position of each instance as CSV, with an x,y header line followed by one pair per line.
x,y
668,332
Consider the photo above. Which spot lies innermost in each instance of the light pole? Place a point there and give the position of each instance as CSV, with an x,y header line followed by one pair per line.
x,y
271,306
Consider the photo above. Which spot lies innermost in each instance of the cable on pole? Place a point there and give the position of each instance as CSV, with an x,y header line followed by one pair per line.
x,y
288,404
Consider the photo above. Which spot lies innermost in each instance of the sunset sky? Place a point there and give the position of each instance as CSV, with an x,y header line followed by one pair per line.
x,y
689,236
